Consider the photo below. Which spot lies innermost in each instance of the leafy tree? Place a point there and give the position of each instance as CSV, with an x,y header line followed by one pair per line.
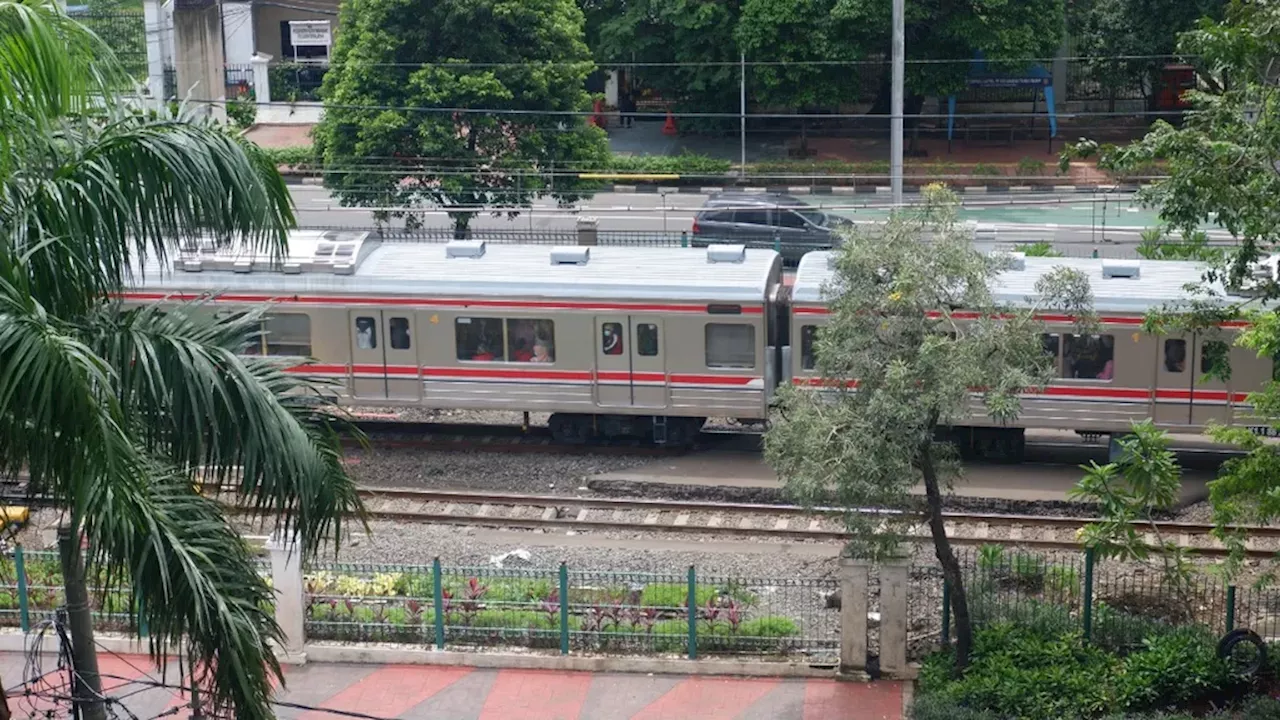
x,y
407,105
1143,481
1222,165
110,410
1120,38
895,332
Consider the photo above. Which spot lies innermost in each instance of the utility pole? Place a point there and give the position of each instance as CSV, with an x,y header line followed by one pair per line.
x,y
895,111
87,684
742,111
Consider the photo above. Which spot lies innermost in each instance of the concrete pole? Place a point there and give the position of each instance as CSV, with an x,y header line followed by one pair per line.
x,y
286,580
894,575
197,27
154,20
742,105
895,116
854,574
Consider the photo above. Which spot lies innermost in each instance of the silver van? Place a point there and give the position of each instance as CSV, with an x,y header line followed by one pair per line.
x,y
766,220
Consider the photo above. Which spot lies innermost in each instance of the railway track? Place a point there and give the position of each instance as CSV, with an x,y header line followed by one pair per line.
x,y
515,438
772,522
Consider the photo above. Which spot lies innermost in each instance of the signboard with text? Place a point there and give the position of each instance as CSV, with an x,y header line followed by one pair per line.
x,y
310,33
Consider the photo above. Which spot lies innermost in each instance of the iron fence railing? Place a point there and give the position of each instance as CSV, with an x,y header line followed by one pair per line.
x,y
1113,604
572,610
296,81
124,31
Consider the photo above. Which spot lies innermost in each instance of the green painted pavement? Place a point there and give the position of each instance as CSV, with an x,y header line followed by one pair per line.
x,y
1079,212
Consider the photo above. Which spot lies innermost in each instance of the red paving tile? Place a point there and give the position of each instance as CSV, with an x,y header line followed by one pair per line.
x,y
118,673
707,698
536,695
390,690
832,700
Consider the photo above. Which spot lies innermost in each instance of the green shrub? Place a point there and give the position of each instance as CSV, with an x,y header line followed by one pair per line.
x,y
1038,249
683,164
987,170
1030,167
302,157
1021,673
1261,708
1121,632
933,707
414,585
773,626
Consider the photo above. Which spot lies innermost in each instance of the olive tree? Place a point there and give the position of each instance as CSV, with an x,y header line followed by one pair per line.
x,y
916,343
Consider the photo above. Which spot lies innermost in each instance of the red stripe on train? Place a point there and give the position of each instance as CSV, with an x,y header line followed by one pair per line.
x,y
429,302
464,373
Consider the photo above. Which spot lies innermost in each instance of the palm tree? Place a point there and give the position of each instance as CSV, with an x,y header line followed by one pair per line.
x,y
111,411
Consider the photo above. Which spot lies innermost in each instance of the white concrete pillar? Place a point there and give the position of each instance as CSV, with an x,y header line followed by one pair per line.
x,y
155,21
261,79
286,579
853,615
893,616
197,27
588,231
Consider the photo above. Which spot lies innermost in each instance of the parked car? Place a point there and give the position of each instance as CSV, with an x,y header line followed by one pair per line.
x,y
766,220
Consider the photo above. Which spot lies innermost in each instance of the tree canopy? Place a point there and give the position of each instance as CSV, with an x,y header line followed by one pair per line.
x,y
1221,165
706,37
471,109
899,363
114,413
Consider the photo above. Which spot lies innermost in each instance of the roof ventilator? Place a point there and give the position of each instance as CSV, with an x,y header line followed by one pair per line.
x,y
570,255
726,253
1127,269
464,249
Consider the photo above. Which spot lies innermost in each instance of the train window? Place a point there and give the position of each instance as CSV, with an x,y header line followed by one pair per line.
x,y
532,340
647,339
399,332
1052,343
1214,360
479,339
366,333
287,334
806,347
1175,356
1089,357
730,346
611,338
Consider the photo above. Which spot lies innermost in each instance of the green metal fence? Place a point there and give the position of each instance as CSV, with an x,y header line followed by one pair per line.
x,y
1111,603
125,32
572,610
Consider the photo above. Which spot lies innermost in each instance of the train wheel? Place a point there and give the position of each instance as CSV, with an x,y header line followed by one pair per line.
x,y
571,429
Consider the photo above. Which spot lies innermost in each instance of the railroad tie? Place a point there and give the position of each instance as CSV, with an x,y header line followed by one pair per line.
x,y
651,519
550,514
484,510
1015,532
1184,539
715,521
744,523
815,525
582,514
682,519
781,524
982,531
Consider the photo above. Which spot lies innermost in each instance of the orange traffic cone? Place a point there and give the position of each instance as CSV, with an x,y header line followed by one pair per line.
x,y
670,127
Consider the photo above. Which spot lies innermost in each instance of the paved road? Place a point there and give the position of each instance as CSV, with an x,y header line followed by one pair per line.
x,y
1073,222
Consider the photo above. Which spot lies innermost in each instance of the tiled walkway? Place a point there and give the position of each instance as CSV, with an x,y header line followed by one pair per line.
x,y
445,693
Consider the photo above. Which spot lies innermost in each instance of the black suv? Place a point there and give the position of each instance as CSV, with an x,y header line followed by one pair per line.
x,y
766,220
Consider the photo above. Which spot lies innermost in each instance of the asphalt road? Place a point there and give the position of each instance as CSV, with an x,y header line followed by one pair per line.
x,y
1075,223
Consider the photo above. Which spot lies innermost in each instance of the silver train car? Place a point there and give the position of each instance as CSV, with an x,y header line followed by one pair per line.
x,y
649,342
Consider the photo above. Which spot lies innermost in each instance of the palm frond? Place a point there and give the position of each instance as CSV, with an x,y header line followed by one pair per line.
x,y
112,196
249,423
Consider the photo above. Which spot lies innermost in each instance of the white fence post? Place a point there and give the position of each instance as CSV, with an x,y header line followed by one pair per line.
x,y
894,576
286,579
261,80
853,615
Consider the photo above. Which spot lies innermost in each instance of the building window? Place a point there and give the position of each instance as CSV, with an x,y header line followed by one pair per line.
x,y
730,346
479,339
611,338
1175,356
366,333
807,360
1089,357
647,339
399,331
532,340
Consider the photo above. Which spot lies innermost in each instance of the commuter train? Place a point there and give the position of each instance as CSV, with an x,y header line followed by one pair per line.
x,y
649,342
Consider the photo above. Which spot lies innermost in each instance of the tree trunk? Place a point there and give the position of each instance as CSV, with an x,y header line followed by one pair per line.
x,y
87,685
947,556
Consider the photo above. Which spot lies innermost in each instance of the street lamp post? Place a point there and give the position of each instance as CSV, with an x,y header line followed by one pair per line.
x,y
895,116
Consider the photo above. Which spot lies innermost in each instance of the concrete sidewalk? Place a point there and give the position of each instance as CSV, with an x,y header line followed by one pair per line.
x,y
420,692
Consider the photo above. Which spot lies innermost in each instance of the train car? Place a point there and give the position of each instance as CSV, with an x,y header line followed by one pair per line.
x,y
612,341
1106,381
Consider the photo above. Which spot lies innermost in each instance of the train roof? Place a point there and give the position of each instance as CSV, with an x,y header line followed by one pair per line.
x,y
1127,286
341,262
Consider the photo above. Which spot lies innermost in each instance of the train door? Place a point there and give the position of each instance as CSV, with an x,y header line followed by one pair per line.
x,y
630,362
1175,380
1210,397
401,353
648,363
368,362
